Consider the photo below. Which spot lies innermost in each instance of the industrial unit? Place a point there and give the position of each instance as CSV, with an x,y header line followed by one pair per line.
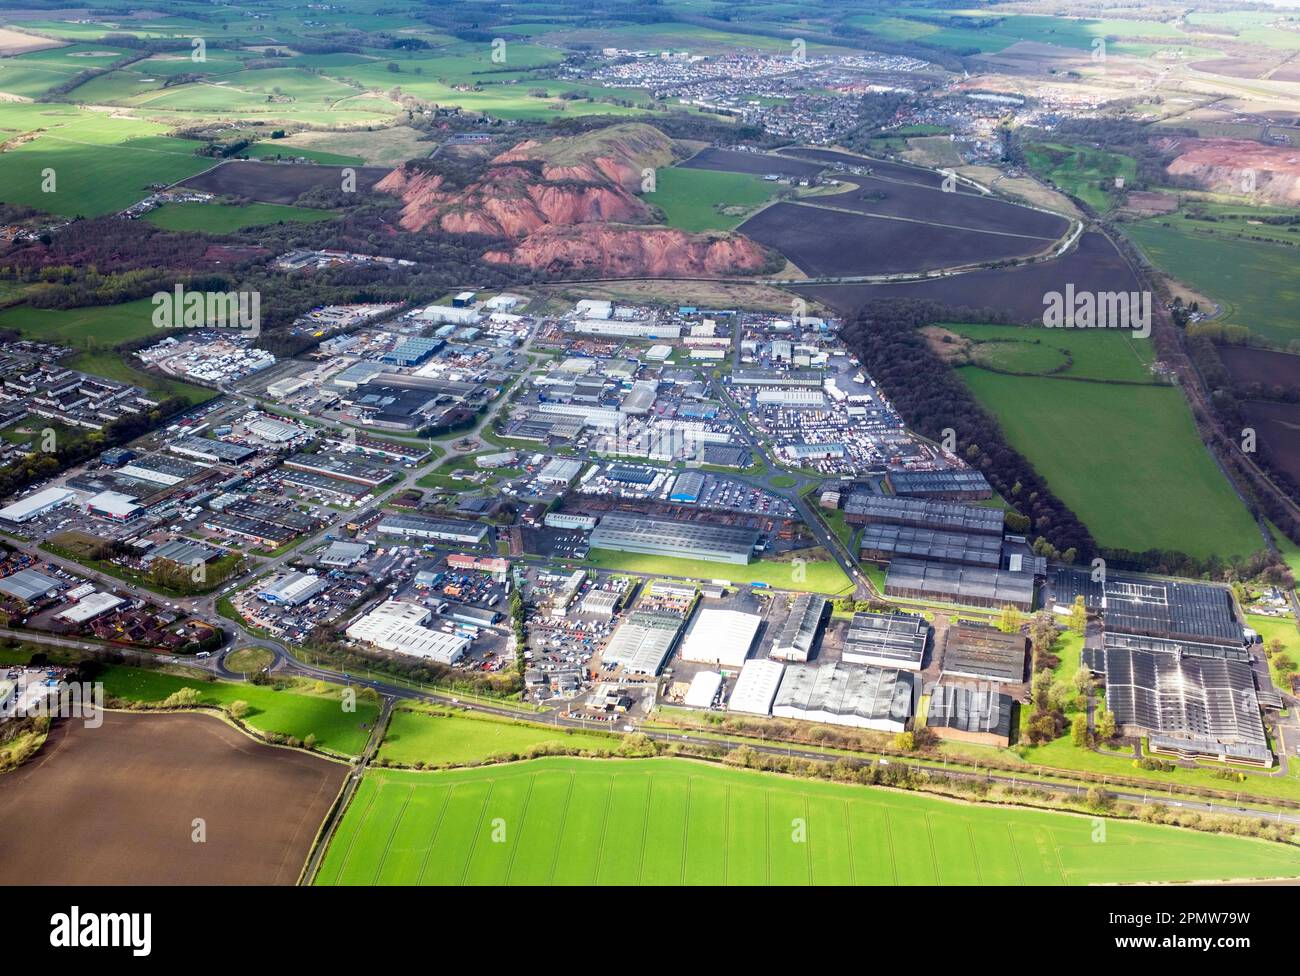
x,y
686,540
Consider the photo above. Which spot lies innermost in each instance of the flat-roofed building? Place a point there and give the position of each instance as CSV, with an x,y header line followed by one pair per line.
x,y
974,586
866,508
206,449
977,651
881,543
970,712
722,637
643,641
398,626
30,586
37,504
664,537
842,694
114,506
886,640
90,608
756,687
292,589
1190,706
950,483
441,530
798,635
704,688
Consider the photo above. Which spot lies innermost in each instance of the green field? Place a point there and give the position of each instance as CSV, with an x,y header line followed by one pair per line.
x,y
1144,436
217,218
456,740
821,576
1099,354
675,822
286,712
1088,174
701,199
1254,282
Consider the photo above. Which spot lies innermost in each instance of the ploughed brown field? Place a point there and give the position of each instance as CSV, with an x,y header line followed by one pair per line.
x,y
1278,427
117,805
1248,365
279,182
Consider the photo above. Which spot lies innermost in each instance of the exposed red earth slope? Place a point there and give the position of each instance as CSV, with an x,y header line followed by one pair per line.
x,y
570,205
1240,166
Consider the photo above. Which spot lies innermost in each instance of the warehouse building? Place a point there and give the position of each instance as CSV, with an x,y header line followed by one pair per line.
x,y
886,640
951,483
341,555
599,603
703,691
90,608
974,586
643,642
183,552
397,626
977,651
756,687
114,506
272,431
882,543
205,449
865,698
686,540
317,483
162,470
777,377
864,508
1150,607
970,712
346,468
559,471
35,505
798,637
264,534
292,589
687,488
1190,706
30,586
440,530
721,637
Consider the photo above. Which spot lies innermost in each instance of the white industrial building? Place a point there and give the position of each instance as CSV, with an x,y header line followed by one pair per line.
x,y
89,608
293,589
398,626
756,687
839,694
703,690
26,509
721,637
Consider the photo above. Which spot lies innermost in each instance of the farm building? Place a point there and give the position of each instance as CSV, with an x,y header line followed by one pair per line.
x,y
886,640
839,694
864,508
970,712
756,687
686,540
975,586
1186,705
977,651
798,636
722,637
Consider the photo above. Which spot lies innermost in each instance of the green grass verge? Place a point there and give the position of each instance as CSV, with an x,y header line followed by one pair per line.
x,y
822,576
458,739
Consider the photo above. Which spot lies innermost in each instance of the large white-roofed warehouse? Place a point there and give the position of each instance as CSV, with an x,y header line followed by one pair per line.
x,y
643,641
721,637
756,687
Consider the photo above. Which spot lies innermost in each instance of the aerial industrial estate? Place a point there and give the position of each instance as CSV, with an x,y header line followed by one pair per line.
x,y
526,444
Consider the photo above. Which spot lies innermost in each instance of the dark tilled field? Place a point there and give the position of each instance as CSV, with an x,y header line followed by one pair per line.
x,y
1094,265
117,804
1265,366
831,243
1278,428
890,197
278,182
760,164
